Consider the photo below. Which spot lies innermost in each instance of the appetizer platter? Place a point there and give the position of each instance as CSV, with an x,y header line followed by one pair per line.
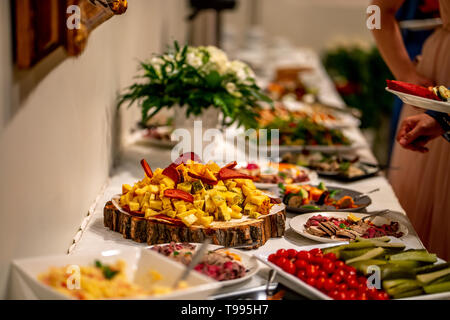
x,y
307,198
343,272
334,166
343,226
189,201
115,274
229,266
271,174
433,98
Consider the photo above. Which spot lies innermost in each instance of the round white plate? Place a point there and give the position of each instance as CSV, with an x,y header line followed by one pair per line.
x,y
423,103
249,262
298,224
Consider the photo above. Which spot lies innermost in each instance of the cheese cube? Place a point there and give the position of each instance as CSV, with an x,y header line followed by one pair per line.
x,y
206,221
134,206
189,220
126,188
156,205
151,213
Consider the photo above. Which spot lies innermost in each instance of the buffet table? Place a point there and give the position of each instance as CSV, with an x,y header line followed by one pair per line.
x,y
94,235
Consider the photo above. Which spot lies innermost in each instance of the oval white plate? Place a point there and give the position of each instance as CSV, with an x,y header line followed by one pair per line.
x,y
423,103
249,261
298,224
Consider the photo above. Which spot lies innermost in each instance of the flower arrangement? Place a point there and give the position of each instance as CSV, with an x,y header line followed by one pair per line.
x,y
198,78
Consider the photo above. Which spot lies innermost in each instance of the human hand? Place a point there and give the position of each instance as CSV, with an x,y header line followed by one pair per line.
x,y
416,131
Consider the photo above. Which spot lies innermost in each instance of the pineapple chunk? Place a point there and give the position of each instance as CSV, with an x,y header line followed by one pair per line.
x,y
210,207
209,175
254,215
224,212
185,186
166,203
220,188
153,188
236,208
258,200
168,182
246,190
206,221
230,184
199,204
218,200
171,213
123,200
151,213
220,183
189,220
141,191
186,213
249,208
249,183
213,167
126,188
232,198
156,205
134,206
236,215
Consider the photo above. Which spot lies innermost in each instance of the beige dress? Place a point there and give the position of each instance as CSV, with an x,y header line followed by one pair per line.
x,y
422,183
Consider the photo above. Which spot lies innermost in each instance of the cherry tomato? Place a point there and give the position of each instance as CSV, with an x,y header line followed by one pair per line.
x,y
316,251
339,272
334,294
328,266
350,270
352,283
330,256
362,280
336,278
349,278
342,295
312,271
291,253
272,258
282,253
281,262
352,294
382,296
322,273
339,264
311,281
362,288
320,282
301,264
362,296
304,255
372,293
342,287
289,267
301,274
329,285
318,261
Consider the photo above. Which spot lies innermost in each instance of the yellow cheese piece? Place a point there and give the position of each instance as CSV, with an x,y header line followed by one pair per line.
x,y
141,191
236,208
189,220
151,213
199,204
235,215
257,200
134,206
126,188
206,221
156,205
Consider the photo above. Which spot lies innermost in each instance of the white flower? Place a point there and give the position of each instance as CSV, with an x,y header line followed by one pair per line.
x,y
194,58
241,70
218,60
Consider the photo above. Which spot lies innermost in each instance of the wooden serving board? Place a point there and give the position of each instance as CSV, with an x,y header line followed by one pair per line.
x,y
157,231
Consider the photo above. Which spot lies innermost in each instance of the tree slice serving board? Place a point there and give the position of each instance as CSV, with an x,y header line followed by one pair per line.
x,y
156,230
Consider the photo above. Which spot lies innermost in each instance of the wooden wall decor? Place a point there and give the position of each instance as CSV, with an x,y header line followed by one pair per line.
x,y
40,26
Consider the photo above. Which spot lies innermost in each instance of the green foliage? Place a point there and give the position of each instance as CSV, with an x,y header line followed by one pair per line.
x,y
171,80
360,75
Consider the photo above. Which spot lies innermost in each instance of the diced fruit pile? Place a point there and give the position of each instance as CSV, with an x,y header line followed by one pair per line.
x,y
195,193
327,274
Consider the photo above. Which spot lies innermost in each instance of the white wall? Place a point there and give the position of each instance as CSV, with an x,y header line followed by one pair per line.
x,y
307,23
57,123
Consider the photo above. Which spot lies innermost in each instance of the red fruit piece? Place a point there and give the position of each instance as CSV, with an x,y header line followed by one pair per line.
x,y
412,89
147,169
203,179
172,173
179,194
226,174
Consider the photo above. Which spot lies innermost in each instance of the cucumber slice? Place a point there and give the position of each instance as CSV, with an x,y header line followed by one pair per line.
x,y
408,264
407,294
382,239
437,288
361,266
393,245
432,268
350,254
440,280
371,254
399,286
426,278
416,255
391,271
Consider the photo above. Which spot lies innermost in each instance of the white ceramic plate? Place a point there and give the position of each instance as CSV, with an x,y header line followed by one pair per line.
x,y
312,175
306,290
249,262
423,103
298,224
139,262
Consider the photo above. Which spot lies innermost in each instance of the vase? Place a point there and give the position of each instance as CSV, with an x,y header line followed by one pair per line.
x,y
209,118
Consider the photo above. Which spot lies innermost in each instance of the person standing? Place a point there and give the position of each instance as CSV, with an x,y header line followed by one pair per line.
x,y
422,183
